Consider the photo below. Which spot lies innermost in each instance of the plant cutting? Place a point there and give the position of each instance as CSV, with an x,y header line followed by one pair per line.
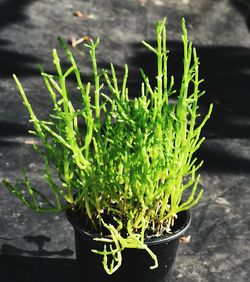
x,y
123,169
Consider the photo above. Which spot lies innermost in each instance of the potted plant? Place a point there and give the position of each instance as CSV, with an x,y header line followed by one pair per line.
x,y
123,169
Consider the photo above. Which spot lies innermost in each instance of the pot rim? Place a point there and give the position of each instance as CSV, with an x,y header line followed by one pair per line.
x,y
174,235
149,241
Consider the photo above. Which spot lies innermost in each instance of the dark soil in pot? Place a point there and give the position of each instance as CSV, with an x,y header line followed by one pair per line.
x,y
135,263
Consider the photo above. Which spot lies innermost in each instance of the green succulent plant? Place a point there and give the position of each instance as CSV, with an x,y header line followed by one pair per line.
x,y
131,159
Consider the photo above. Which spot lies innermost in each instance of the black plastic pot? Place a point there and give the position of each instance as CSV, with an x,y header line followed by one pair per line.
x,y
135,263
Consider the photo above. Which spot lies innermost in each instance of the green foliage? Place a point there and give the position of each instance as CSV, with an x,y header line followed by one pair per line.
x,y
131,159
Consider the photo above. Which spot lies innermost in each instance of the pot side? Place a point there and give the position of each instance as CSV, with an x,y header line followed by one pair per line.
x,y
135,263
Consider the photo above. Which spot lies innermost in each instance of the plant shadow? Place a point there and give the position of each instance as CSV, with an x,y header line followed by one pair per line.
x,y
218,160
35,265
10,131
13,12
17,63
39,241
243,6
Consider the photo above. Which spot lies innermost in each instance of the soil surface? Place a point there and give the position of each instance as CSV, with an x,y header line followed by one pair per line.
x,y
40,247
